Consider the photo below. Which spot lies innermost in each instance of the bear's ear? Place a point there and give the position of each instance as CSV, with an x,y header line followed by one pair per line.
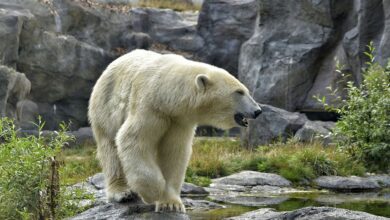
x,y
202,81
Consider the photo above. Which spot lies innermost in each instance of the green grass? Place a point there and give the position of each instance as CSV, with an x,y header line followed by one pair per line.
x,y
78,164
213,158
294,161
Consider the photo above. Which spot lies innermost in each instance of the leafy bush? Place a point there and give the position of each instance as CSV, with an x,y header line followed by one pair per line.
x,y
364,126
29,183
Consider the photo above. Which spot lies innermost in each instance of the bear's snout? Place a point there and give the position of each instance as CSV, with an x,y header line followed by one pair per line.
x,y
257,113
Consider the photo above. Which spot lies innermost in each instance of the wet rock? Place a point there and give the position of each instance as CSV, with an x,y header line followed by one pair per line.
x,y
352,183
197,204
225,25
273,124
315,130
355,197
253,178
312,213
248,200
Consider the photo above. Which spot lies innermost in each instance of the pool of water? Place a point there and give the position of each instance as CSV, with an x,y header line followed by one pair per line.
x,y
375,203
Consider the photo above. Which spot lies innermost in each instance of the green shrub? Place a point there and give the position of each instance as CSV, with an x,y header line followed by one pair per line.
x,y
29,183
364,126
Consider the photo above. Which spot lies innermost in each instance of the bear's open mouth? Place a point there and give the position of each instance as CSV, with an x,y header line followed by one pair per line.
x,y
241,120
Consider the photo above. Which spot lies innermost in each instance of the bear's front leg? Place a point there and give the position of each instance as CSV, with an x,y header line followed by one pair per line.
x,y
137,146
173,155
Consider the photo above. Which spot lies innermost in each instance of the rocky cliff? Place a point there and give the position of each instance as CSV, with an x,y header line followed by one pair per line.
x,y
284,51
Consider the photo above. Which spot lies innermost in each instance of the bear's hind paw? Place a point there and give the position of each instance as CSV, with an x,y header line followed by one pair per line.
x,y
170,206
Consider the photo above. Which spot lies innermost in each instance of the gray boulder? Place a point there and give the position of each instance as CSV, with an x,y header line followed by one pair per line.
x,y
296,46
315,130
272,125
62,71
225,25
11,21
352,183
82,136
167,27
14,87
93,25
253,178
382,179
192,189
278,62
312,213
27,112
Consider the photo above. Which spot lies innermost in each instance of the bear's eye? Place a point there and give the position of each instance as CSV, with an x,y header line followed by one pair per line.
x,y
240,92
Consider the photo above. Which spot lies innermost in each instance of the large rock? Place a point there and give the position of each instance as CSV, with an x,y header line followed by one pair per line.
x,y
272,125
315,130
312,213
352,183
278,63
96,26
225,25
297,46
168,27
253,178
14,87
62,71
11,21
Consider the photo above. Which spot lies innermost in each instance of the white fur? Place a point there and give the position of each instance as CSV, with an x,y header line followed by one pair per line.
x,y
144,110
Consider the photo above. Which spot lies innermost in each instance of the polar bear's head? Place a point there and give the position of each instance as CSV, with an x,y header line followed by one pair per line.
x,y
224,101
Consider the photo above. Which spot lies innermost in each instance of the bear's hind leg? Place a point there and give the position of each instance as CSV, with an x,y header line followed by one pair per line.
x,y
137,143
117,189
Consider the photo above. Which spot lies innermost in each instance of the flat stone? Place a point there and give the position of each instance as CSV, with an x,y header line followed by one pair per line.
x,y
253,178
346,183
383,180
308,213
192,189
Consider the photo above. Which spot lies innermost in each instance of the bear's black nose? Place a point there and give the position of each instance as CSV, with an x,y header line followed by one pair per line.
x,y
258,112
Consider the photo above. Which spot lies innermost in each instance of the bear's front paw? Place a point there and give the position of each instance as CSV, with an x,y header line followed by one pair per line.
x,y
170,206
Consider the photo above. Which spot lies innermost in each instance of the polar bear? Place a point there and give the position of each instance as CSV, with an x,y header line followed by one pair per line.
x,y
144,110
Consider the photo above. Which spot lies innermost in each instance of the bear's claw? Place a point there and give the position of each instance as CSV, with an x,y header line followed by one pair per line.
x,y
170,207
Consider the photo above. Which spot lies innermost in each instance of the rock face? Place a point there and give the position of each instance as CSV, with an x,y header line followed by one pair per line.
x,y
14,87
352,183
225,25
312,213
291,55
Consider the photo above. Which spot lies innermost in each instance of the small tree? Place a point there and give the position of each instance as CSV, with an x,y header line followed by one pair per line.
x,y
29,179
363,129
